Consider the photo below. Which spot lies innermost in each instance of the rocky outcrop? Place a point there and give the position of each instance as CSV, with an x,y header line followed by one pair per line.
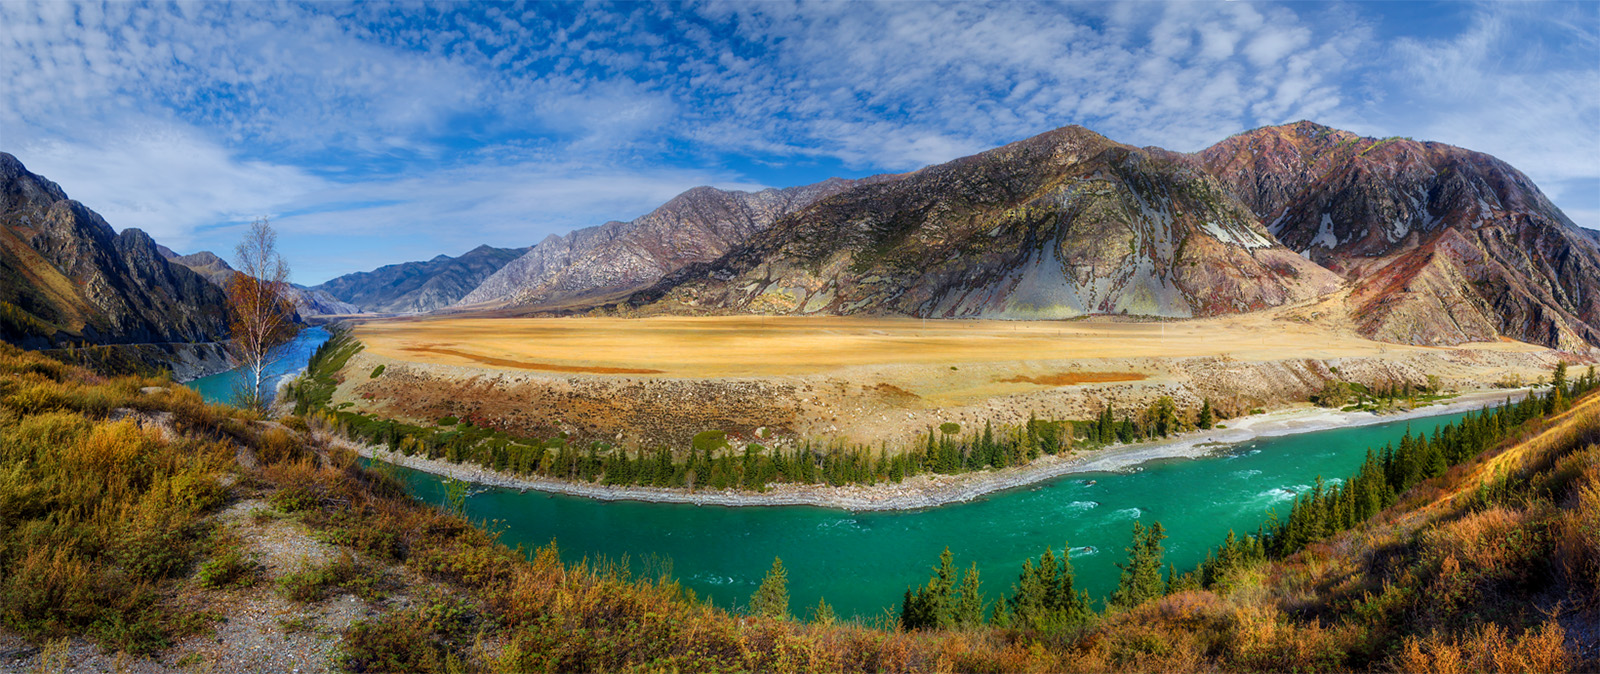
x,y
1064,224
419,287
66,277
1445,245
618,257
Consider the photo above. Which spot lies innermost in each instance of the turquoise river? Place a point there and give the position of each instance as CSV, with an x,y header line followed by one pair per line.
x,y
220,388
863,562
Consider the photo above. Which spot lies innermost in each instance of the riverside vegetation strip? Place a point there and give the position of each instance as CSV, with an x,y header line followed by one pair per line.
x,y
1509,529
947,464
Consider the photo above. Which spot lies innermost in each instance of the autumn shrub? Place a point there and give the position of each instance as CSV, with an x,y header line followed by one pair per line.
x,y
1578,533
97,518
1490,648
277,445
400,641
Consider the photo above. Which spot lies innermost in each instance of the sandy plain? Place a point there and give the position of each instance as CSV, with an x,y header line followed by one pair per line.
x,y
754,346
872,380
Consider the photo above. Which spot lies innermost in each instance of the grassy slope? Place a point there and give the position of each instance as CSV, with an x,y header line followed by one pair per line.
x,y
103,533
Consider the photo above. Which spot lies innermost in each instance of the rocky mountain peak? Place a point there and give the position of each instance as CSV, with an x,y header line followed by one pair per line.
x,y
614,258
416,287
1063,224
1447,245
77,279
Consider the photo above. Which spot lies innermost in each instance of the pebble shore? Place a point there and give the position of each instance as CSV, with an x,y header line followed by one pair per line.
x,y
927,491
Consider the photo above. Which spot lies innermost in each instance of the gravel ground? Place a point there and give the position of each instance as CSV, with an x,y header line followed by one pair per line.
x,y
261,631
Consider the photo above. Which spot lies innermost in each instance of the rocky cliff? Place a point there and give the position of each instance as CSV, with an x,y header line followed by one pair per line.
x,y
418,287
618,257
1064,224
67,278
1444,245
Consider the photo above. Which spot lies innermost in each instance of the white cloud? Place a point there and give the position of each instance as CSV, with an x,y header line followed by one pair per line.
x,y
493,121
1482,90
165,181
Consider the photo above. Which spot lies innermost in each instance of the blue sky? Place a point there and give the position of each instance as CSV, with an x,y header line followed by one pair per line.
x,y
375,133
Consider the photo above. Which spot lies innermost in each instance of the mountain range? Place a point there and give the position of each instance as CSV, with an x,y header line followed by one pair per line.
x,y
1441,244
1422,242
613,259
66,277
307,301
420,287
1435,244
1060,225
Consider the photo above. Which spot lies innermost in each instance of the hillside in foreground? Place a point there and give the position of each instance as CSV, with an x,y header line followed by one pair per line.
x,y
138,520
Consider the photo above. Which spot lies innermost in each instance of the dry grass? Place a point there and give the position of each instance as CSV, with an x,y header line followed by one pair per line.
x,y
1489,649
1071,378
97,518
765,346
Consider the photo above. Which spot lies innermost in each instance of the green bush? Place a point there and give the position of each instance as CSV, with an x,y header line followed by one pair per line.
x,y
706,441
232,569
375,372
448,421
315,582
949,428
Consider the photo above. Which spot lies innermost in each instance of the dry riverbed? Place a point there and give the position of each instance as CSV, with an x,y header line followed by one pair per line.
x,y
925,491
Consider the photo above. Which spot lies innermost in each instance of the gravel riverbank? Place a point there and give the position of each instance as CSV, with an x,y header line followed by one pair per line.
x,y
926,491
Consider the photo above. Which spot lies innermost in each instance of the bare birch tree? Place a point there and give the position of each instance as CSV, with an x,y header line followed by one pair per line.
x,y
261,316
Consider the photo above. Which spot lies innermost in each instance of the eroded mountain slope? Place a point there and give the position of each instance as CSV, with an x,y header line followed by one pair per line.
x,y
420,287
67,277
1064,224
618,257
1445,245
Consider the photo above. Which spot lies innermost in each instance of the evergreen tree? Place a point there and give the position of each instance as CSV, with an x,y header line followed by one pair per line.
x,y
1141,576
969,605
1045,598
933,605
771,599
1207,417
1000,615
823,614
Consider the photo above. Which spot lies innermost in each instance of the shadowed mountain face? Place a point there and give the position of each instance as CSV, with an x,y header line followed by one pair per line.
x,y
618,257
416,287
1445,245
67,277
1064,224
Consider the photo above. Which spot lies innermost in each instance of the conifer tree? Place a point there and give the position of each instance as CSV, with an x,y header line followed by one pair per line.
x,y
1000,615
823,614
771,599
1207,417
969,605
933,605
1141,576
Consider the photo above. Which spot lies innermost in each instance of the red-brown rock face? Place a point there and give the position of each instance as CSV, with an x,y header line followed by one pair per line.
x,y
1445,245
